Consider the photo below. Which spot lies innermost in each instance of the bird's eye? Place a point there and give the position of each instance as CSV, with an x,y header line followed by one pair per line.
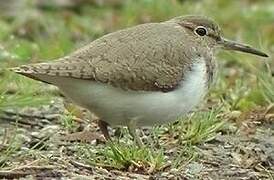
x,y
201,31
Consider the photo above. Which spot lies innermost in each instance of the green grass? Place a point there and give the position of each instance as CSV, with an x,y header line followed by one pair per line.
x,y
194,130
14,153
200,127
10,148
68,121
185,154
266,85
123,156
18,92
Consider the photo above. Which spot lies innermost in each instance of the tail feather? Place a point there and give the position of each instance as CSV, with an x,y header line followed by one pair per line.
x,y
46,72
33,71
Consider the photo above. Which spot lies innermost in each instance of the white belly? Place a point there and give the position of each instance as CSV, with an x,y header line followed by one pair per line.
x,y
118,107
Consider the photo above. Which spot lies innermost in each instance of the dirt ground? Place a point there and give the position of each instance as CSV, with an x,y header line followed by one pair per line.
x,y
247,153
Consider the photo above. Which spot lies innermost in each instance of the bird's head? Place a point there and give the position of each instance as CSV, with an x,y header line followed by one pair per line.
x,y
207,31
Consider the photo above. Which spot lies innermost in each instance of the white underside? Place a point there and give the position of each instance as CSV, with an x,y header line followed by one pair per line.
x,y
119,107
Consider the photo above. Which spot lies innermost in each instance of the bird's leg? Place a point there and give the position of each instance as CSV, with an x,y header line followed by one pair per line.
x,y
132,131
104,128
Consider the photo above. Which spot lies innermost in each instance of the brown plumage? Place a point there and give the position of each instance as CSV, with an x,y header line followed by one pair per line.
x,y
148,57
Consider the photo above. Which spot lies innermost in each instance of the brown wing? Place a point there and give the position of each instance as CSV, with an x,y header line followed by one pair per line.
x,y
148,57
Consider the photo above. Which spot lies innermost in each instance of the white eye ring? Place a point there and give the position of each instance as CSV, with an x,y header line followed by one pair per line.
x,y
200,31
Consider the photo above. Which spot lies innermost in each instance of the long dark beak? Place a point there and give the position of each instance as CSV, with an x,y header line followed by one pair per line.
x,y
231,45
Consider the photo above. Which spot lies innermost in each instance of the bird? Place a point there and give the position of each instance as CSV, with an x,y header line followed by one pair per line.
x,y
146,75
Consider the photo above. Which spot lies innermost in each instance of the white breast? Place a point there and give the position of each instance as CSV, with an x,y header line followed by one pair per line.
x,y
118,107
